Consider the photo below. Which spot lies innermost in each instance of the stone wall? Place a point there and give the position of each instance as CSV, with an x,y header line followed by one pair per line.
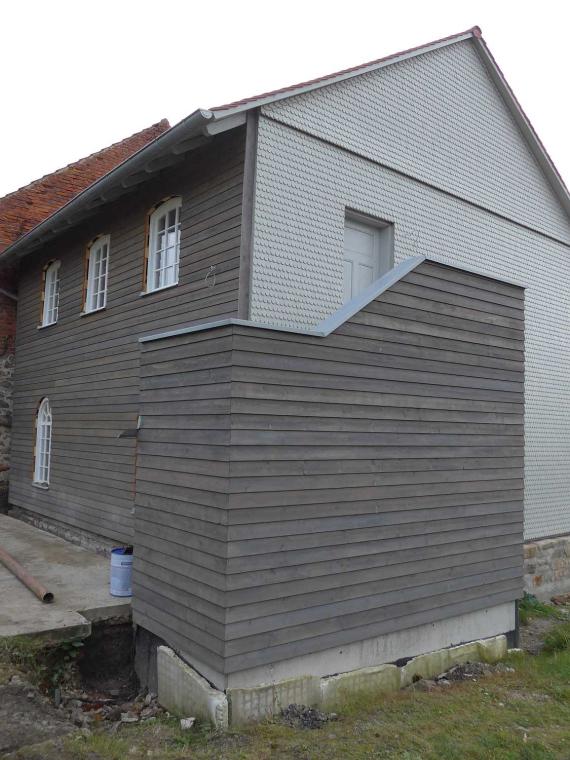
x,y
7,362
547,567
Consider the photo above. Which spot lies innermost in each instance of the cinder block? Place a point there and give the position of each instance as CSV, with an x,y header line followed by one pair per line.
x,y
433,663
425,666
382,678
492,650
258,702
184,692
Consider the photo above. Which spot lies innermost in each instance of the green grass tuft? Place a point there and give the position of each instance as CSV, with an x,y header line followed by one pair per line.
x,y
530,607
558,639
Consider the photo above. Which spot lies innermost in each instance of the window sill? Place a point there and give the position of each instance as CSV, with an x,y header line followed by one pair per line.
x,y
158,290
85,313
42,486
43,327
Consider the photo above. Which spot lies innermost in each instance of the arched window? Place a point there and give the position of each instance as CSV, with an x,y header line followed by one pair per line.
x,y
43,444
164,245
97,267
51,294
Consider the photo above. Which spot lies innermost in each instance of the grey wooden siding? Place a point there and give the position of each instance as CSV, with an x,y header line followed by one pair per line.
x,y
183,492
89,365
375,476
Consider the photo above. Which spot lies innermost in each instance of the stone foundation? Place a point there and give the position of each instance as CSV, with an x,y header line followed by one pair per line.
x,y
75,536
547,567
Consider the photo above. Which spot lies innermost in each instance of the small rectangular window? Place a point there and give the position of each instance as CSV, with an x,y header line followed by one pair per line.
x,y
367,253
97,274
164,245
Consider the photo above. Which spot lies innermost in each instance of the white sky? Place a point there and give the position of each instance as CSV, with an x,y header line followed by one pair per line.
x,y
78,76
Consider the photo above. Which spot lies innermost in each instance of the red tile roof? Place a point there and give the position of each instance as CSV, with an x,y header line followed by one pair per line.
x,y
475,31
23,209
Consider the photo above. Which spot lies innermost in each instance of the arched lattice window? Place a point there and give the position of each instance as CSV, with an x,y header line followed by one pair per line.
x,y
164,245
43,444
51,294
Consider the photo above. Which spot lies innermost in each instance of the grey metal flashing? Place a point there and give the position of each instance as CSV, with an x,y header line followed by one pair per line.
x,y
341,77
224,323
373,291
339,317
523,122
319,331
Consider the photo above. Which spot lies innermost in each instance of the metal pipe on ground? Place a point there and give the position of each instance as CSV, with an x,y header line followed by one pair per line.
x,y
27,579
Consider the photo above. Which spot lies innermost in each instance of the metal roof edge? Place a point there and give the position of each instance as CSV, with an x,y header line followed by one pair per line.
x,y
378,287
321,330
257,102
339,317
133,163
523,122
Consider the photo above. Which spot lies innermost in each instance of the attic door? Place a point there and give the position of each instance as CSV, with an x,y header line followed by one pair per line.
x,y
362,257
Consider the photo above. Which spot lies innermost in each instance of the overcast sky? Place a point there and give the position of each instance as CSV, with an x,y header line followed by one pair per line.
x,y
78,76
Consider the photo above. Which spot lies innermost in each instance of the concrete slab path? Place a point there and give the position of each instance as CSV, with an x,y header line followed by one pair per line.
x,y
78,578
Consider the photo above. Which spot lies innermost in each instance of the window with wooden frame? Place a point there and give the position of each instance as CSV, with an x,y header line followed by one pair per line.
x,y
97,274
164,245
43,444
51,294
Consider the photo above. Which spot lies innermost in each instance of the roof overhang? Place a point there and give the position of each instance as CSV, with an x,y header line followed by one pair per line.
x,y
202,125
166,150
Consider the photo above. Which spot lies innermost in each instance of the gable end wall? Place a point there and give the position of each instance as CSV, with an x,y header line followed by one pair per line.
x,y
305,183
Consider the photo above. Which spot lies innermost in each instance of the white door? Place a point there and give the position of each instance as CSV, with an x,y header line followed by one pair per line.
x,y
361,257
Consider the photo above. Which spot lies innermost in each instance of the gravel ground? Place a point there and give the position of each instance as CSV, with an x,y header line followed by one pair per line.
x,y
27,718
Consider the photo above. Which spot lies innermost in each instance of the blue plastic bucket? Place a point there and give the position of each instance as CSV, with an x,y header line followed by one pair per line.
x,y
121,571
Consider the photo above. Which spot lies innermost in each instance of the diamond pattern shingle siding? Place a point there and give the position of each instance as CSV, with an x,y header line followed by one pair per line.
x,y
437,117
303,188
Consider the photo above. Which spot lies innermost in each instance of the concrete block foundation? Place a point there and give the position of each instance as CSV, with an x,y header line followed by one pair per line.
x,y
337,688
547,567
185,692
249,705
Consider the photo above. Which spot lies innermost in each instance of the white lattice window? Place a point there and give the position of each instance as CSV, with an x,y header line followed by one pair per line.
x,y
43,444
97,273
51,294
164,245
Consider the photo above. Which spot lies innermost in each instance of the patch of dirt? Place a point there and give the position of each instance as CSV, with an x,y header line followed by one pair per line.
x,y
301,716
527,696
532,635
106,664
469,671
28,718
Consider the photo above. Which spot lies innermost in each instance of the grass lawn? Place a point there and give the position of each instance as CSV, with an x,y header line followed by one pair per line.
x,y
522,715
